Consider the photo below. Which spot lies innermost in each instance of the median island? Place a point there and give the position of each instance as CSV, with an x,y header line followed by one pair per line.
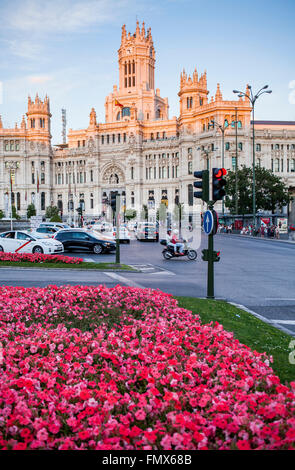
x,y
38,260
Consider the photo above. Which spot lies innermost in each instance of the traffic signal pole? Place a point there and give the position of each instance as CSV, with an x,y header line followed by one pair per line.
x,y
210,218
117,214
210,273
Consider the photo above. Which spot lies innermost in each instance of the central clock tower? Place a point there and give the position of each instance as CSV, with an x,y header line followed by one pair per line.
x,y
136,59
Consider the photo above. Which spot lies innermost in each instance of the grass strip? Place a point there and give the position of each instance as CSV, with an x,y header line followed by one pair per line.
x,y
84,265
249,330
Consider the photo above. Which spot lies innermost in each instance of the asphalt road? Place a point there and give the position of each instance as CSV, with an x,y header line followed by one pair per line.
x,y
259,274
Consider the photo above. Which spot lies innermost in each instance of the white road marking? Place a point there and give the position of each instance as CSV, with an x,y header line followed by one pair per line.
x,y
168,273
124,280
284,322
89,260
278,298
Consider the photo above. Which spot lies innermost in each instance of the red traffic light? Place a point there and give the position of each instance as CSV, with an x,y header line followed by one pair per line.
x,y
220,173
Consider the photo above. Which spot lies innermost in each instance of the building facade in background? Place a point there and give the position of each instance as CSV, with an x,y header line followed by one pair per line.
x,y
138,151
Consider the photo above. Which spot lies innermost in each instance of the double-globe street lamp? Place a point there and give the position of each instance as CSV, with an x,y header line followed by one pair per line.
x,y
253,98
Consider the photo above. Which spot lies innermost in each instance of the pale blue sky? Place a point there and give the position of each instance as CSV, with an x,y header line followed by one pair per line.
x,y
68,49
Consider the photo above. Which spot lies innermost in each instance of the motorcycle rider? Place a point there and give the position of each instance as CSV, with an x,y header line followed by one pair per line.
x,y
178,245
169,239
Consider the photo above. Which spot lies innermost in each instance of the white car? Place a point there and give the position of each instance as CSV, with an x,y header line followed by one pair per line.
x,y
124,235
24,242
58,225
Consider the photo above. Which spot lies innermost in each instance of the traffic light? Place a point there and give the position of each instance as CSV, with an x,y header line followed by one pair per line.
x,y
204,185
218,182
206,255
79,210
216,256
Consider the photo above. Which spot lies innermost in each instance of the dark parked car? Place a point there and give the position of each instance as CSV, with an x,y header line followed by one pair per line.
x,y
79,239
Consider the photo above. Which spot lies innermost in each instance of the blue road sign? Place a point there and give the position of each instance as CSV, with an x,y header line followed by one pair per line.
x,y
208,222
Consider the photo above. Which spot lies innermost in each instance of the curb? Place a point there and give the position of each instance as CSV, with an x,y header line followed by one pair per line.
x,y
264,319
236,235
71,269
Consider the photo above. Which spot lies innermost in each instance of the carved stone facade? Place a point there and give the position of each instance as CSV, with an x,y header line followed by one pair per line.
x,y
138,151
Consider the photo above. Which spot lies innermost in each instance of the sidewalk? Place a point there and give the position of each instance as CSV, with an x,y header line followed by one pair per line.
x,y
291,242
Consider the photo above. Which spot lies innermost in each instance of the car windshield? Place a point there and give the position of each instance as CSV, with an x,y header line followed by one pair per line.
x,y
38,235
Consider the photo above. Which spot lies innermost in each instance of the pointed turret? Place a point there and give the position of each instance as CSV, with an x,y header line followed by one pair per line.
x,y
143,30
137,31
123,38
1,125
92,120
23,123
218,95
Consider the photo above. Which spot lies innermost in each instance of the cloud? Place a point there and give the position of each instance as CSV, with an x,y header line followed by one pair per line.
x,y
62,16
25,49
40,79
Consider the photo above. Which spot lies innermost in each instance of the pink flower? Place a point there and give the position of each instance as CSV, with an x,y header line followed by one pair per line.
x,y
140,415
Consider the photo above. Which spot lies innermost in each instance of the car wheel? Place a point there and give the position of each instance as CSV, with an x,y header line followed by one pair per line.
x,y
97,249
1,249
38,249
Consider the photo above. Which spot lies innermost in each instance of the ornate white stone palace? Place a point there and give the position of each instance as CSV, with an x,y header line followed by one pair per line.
x,y
138,151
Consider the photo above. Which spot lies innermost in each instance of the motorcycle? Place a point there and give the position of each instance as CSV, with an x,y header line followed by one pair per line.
x,y
169,253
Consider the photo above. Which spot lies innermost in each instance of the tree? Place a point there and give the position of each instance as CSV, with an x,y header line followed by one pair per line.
x,y
15,214
55,218
271,192
1,214
51,211
31,211
130,214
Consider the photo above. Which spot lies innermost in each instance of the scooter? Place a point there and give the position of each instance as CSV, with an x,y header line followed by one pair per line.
x,y
169,253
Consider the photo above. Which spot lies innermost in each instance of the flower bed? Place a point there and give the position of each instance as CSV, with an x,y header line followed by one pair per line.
x,y
125,368
38,258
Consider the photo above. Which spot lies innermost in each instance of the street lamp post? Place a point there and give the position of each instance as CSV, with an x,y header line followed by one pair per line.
x,y
12,167
252,98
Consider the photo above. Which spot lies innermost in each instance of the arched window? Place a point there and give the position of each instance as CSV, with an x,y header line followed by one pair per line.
x,y
42,201
225,123
293,165
125,112
158,113
41,122
119,116
277,164
18,201
12,199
